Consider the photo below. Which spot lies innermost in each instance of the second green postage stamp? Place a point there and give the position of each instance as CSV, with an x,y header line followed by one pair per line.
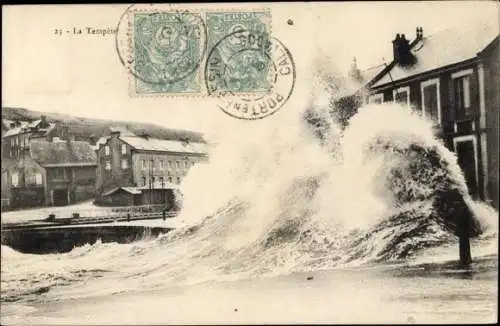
x,y
168,50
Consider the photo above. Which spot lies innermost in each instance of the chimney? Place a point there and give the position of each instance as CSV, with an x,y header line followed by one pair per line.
x,y
419,36
43,120
65,133
401,50
93,140
144,135
115,133
420,33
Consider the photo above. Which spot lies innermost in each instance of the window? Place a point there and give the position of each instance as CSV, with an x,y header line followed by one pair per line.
x,y
144,181
143,163
376,98
402,95
108,165
124,149
124,163
162,181
177,164
431,103
153,180
462,93
162,164
106,149
15,179
151,164
178,180
38,178
57,174
12,142
170,179
170,165
186,164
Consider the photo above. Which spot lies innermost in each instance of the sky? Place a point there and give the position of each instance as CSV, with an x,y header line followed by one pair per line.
x,y
81,75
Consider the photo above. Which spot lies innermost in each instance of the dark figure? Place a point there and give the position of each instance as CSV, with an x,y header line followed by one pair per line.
x,y
164,213
460,219
463,232
128,217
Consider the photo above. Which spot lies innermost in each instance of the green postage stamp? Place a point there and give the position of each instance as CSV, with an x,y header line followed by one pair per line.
x,y
238,54
168,51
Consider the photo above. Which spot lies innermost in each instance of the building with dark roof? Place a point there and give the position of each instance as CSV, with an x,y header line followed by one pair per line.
x,y
452,77
45,173
144,162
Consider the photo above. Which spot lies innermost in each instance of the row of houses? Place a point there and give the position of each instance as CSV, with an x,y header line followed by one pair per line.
x,y
45,164
452,77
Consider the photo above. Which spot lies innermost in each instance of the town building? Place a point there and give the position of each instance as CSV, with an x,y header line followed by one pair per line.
x,y
451,77
48,173
129,166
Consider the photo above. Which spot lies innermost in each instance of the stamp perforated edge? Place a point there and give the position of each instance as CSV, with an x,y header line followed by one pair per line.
x,y
238,94
201,68
130,55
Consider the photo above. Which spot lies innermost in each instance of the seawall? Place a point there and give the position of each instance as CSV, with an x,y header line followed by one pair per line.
x,y
60,239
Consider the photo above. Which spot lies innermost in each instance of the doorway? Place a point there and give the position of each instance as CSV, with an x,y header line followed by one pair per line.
x,y
60,197
466,150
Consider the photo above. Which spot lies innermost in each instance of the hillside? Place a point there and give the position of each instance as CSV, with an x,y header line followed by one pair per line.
x,y
85,127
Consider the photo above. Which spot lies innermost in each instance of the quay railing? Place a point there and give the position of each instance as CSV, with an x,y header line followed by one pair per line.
x,y
110,214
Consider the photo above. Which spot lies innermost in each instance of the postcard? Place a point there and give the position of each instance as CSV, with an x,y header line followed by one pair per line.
x,y
241,163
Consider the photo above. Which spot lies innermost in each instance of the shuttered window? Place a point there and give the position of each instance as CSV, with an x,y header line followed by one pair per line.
x,y
462,96
431,104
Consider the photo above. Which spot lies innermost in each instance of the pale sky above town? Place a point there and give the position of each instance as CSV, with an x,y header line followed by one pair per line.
x,y
82,76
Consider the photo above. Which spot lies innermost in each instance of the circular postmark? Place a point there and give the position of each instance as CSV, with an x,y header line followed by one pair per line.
x,y
251,72
161,45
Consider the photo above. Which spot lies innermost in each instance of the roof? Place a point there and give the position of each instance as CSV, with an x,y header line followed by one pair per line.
x,y
130,190
72,153
368,74
354,84
34,124
6,123
447,47
154,144
26,126
17,130
138,190
166,185
100,141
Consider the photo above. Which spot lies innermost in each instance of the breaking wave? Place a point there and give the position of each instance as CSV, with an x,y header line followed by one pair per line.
x,y
286,196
